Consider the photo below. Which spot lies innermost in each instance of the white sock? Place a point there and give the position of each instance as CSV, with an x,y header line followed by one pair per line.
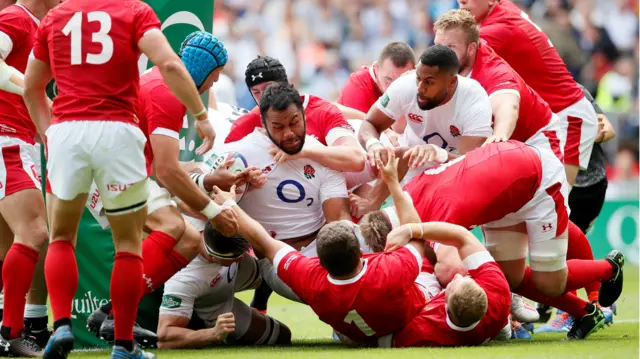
x,y
35,311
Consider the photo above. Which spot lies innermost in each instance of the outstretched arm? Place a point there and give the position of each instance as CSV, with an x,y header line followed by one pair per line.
x,y
257,236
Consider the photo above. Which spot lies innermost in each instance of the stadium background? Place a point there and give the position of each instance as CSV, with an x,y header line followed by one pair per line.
x,y
321,41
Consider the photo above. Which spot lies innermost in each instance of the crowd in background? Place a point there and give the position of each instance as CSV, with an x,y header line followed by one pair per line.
x,y
320,42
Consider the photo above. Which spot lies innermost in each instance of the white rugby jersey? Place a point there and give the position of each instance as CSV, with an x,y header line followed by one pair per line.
x,y
290,203
468,113
208,288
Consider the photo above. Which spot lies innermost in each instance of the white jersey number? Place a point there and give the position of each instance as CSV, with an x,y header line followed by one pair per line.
x,y
355,318
74,27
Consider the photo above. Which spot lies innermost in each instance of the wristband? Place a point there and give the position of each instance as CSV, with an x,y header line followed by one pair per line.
x,y
441,155
196,115
211,210
229,203
372,142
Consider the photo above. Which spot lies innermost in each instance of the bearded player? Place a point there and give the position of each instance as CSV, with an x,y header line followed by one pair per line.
x,y
300,195
22,209
198,305
523,207
107,144
514,37
172,242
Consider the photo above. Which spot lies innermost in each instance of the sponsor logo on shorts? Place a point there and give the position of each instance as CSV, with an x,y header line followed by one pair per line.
x,y
95,196
414,118
289,260
171,302
384,101
118,187
86,304
215,281
309,172
455,132
547,227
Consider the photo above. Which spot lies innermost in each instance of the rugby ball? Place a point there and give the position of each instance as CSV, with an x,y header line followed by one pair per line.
x,y
239,164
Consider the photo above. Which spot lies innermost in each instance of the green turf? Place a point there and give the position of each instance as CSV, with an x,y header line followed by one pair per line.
x,y
312,339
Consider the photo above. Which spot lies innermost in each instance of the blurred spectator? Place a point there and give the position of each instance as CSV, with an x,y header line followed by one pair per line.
x,y
615,90
623,182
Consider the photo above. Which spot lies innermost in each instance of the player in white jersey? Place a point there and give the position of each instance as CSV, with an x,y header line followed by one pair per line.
x,y
300,195
198,305
447,116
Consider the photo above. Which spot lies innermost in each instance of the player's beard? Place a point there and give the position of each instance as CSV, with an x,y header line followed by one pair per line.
x,y
433,102
281,145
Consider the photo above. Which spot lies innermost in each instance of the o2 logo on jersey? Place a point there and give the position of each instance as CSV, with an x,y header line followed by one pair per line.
x,y
415,118
280,191
428,139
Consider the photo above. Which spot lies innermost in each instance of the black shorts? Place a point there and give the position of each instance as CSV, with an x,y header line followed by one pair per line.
x,y
586,203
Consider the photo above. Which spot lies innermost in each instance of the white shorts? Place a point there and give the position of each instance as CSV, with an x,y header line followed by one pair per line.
x,y
109,152
429,284
18,170
158,197
546,217
552,137
582,122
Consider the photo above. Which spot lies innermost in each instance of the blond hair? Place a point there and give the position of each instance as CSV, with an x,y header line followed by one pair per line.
x,y
375,226
459,19
468,303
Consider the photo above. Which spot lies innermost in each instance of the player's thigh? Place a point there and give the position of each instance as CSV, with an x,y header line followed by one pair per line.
x,y
586,203
25,214
548,264
253,327
507,243
69,163
582,130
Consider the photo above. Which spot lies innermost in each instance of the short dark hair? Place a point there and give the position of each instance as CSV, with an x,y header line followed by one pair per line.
x,y
221,246
263,69
278,96
399,53
338,249
441,56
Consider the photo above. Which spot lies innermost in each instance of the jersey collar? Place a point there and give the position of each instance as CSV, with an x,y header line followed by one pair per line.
x,y
37,21
351,280
305,100
457,328
372,73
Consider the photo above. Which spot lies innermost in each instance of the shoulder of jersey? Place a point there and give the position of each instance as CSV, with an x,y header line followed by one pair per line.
x,y
470,85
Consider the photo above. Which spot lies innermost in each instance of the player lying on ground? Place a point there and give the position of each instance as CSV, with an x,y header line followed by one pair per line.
x,y
172,242
362,297
300,195
527,207
199,308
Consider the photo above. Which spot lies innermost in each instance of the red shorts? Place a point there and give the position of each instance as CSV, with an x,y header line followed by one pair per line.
x,y
17,166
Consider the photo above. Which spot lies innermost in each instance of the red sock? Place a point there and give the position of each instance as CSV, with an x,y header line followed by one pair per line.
x,y
161,262
61,273
569,303
21,263
580,248
126,284
584,272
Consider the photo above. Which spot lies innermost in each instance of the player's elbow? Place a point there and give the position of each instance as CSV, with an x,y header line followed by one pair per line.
x,y
356,160
171,65
163,338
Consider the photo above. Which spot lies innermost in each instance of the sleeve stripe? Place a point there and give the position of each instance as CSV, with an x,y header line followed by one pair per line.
x,y
338,132
166,132
505,91
416,254
6,45
281,254
476,260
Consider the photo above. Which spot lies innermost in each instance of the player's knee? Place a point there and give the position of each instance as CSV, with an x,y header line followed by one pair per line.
x,y
551,285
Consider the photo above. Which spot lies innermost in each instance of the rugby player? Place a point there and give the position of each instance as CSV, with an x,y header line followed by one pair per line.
x,y
106,144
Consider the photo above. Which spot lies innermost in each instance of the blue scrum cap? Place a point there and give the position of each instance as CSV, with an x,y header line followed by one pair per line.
x,y
202,53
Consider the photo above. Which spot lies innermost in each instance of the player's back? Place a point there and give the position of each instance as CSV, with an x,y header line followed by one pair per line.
x,y
361,90
486,184
512,34
380,300
93,52
495,75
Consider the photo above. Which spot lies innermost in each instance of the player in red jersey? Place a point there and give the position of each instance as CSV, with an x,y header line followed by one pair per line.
x,y
22,209
325,122
172,242
515,38
525,206
92,50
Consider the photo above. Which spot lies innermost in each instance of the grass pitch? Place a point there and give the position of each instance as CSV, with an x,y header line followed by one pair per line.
x,y
312,339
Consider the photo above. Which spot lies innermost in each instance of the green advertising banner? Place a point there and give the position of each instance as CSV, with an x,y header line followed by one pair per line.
x,y
95,250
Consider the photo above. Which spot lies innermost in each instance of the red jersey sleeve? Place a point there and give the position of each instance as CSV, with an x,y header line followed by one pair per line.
x,y
244,126
165,113
486,272
351,95
41,43
145,20
303,275
11,27
334,124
